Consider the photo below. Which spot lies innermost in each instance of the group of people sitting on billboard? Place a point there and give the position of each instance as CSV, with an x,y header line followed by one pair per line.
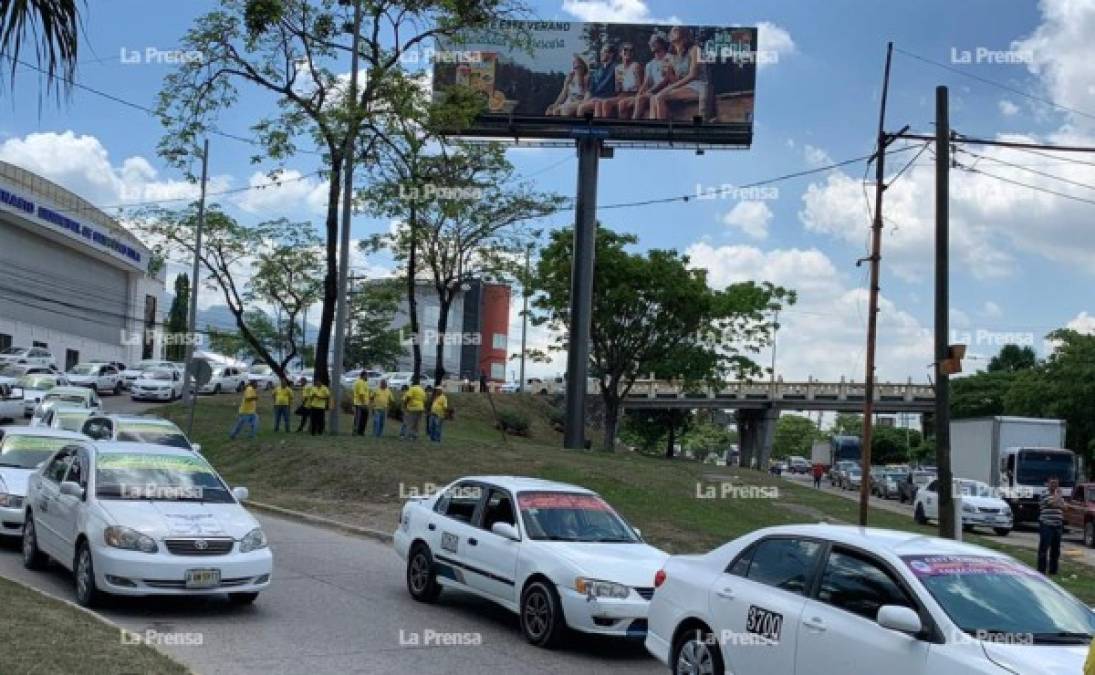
x,y
621,87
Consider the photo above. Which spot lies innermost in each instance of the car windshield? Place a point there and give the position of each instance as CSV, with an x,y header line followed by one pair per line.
x,y
1001,597
567,516
157,433
159,375
66,398
85,369
38,382
27,452
260,370
923,478
893,475
70,420
158,478
148,365
14,351
972,488
1035,467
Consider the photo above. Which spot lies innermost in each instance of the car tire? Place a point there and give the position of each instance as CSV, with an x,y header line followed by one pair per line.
x,y
216,389
87,593
1089,534
117,388
421,576
919,516
239,387
1002,531
33,558
243,598
695,652
542,615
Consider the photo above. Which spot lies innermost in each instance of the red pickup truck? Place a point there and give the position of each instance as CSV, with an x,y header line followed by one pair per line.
x,y
1080,511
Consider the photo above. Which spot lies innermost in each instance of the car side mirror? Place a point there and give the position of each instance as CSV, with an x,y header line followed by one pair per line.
x,y
72,489
899,618
241,493
505,530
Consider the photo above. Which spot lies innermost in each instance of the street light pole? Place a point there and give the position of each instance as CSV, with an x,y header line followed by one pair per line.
x,y
191,397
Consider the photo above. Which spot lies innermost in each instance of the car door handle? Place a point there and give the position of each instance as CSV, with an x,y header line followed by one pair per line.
x,y
814,623
472,541
431,526
726,592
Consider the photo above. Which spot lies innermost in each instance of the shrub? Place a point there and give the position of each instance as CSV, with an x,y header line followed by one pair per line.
x,y
513,422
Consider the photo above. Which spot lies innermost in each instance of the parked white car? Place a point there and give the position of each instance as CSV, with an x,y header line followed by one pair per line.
x,y
34,356
66,396
262,376
35,386
22,451
12,402
65,417
509,388
567,560
225,378
136,429
824,599
397,381
130,375
98,376
980,506
158,384
12,373
132,519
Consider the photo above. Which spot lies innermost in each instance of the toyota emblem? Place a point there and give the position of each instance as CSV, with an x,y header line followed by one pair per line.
x,y
201,544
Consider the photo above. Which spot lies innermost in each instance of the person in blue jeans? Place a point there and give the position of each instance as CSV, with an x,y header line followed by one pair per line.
x,y
379,400
248,412
252,422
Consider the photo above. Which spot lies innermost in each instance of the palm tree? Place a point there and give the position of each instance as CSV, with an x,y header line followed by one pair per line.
x,y
54,24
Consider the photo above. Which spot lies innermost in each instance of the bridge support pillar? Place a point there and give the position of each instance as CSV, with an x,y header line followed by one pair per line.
x,y
745,437
765,436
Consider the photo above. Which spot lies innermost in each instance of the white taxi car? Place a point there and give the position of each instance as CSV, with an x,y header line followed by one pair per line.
x,y
225,378
22,451
129,375
100,376
75,397
135,429
35,386
157,384
824,599
556,554
981,507
132,519
35,356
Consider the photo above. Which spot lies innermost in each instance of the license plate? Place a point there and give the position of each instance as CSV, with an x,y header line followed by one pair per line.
x,y
203,578
764,622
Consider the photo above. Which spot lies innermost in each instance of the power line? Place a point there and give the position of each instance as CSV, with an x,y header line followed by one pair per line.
x,y
1026,185
1028,169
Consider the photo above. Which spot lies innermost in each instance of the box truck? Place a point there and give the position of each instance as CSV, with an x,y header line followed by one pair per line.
x,y
1016,456
819,454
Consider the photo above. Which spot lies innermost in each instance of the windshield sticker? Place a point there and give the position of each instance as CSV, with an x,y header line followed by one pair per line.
x,y
560,500
34,443
179,463
198,525
948,565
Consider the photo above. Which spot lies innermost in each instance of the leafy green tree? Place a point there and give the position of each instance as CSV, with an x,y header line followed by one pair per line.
x,y
848,424
893,445
372,340
794,435
55,27
1013,358
177,319
654,312
980,394
650,427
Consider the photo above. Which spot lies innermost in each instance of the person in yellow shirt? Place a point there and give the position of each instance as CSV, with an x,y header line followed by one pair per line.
x,y
283,398
320,401
361,404
1089,664
248,413
380,400
414,404
305,408
439,407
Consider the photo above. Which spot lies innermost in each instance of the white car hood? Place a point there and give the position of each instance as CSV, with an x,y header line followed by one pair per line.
x,y
78,379
985,502
14,481
628,564
1037,659
159,519
149,382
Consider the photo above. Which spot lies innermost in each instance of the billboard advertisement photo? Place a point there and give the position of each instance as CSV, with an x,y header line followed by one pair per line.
x,y
637,83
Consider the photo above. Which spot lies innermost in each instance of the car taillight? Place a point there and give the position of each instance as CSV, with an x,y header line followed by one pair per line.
x,y
659,578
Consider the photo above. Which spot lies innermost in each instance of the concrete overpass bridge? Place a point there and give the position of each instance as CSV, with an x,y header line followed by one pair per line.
x,y
757,405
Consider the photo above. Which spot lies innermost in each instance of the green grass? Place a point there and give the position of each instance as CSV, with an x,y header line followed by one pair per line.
x,y
43,635
360,480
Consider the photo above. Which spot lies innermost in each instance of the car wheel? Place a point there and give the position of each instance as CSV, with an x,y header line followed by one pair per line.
x,y
421,577
1089,534
919,516
216,388
243,598
239,387
693,654
33,559
117,388
542,615
87,593
1005,531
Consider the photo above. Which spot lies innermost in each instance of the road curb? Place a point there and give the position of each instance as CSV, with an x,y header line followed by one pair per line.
x,y
321,521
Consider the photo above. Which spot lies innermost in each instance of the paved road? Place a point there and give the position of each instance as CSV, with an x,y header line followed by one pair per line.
x,y
338,604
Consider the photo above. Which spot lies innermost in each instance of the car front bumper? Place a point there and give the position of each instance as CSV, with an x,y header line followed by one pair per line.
x,y
11,521
986,520
151,395
162,573
605,616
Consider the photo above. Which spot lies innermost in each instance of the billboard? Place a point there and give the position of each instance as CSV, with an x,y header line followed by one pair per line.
x,y
639,83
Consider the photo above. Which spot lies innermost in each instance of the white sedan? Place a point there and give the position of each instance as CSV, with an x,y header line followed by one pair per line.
x,y
555,554
225,378
132,519
262,376
825,599
980,506
22,451
96,375
158,384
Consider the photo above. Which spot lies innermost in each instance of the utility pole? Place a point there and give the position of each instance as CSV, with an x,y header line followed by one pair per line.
x,y
524,317
775,334
344,238
872,312
191,397
942,308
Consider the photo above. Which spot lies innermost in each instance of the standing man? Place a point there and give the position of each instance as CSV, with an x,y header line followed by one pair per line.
x,y
248,413
361,404
305,407
321,398
818,471
439,407
283,398
380,399
414,403
1051,519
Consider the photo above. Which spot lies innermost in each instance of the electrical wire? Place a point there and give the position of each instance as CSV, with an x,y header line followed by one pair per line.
x,y
1026,185
1027,169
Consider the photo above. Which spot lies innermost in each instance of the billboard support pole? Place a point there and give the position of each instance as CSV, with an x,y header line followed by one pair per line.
x,y
581,289
947,515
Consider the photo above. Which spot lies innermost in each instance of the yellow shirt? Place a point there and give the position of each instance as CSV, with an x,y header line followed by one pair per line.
x,y
250,401
361,392
381,398
415,399
320,396
306,396
283,395
1089,664
440,405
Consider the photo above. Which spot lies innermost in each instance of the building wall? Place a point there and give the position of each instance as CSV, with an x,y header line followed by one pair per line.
x,y
494,326
429,310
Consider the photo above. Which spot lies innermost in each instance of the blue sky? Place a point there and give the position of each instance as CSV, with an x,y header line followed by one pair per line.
x,y
1020,258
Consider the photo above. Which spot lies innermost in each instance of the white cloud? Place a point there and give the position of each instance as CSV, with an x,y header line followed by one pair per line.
x,y
609,11
958,318
773,40
1007,108
991,310
816,156
751,217
291,191
1063,56
1083,323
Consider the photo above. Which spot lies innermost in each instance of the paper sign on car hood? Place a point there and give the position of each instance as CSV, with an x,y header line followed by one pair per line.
x,y
181,519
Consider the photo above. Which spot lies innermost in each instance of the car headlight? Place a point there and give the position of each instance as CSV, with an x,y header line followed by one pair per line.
x,y
11,501
129,539
601,589
253,540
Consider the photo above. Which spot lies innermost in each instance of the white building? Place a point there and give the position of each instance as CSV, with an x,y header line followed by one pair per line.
x,y
72,279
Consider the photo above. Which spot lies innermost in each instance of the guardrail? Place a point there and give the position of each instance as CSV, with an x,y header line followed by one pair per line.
x,y
810,391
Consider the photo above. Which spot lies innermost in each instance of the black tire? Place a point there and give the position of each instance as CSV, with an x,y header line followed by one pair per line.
x,y
87,593
243,598
216,388
33,559
1089,534
421,576
542,615
1002,531
696,651
117,388
919,516
239,387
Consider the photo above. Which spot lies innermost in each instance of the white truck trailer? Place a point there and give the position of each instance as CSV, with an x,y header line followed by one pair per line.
x,y
1015,455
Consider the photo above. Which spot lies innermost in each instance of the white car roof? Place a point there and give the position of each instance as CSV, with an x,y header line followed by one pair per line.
x,y
882,540
142,419
42,431
526,484
66,390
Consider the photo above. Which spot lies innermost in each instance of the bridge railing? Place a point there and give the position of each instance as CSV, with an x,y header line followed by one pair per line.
x,y
810,390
